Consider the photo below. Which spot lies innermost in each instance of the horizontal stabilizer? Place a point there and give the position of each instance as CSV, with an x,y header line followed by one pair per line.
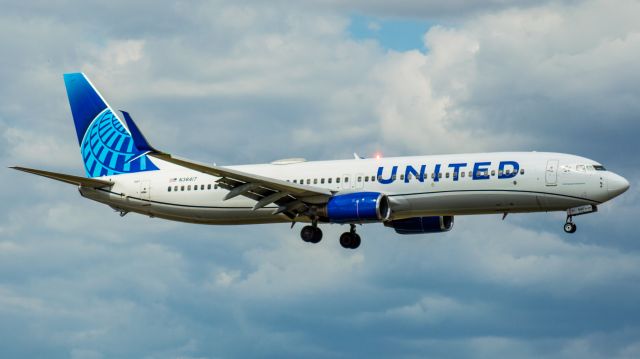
x,y
76,180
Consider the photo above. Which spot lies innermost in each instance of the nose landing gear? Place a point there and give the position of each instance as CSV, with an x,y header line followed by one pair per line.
x,y
570,227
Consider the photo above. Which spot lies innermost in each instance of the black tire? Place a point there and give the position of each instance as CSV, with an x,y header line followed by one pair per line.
x,y
307,233
345,240
317,235
570,227
355,241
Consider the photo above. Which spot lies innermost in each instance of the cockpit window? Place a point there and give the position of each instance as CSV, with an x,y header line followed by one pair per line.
x,y
599,168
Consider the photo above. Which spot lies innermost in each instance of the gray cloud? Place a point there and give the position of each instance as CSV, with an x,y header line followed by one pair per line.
x,y
251,82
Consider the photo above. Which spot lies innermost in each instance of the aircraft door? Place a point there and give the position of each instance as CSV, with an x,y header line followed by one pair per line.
x,y
551,174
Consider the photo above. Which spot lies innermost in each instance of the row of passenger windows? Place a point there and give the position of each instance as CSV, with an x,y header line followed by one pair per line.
x,y
410,176
346,180
189,187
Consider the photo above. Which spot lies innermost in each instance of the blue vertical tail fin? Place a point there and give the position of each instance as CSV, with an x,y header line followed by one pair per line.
x,y
106,142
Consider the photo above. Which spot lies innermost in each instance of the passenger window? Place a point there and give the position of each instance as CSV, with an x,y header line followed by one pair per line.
x,y
215,187
321,180
447,175
402,177
440,175
493,172
522,171
337,179
295,181
209,186
508,172
500,173
182,188
462,174
315,181
301,181
189,188
175,188
202,187
169,189
308,181
329,180
346,179
366,178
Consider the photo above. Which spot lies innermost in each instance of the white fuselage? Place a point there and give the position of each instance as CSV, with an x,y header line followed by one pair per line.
x,y
543,182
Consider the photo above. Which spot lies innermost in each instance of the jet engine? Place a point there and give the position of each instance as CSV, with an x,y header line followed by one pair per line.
x,y
358,207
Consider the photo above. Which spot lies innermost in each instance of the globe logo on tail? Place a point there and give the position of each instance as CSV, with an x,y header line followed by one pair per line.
x,y
108,148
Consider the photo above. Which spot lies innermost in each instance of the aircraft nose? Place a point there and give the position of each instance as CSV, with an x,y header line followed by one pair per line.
x,y
617,185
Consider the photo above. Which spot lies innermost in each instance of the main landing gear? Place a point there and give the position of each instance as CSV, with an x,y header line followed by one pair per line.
x,y
313,234
351,239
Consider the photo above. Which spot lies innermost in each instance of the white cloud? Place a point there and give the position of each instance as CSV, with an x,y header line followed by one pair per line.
x,y
35,148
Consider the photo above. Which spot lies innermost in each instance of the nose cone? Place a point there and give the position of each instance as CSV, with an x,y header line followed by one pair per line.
x,y
617,185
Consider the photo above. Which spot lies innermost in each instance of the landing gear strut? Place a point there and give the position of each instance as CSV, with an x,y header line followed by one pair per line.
x,y
351,239
570,227
312,233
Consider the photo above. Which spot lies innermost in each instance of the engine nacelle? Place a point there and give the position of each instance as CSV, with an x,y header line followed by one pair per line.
x,y
358,207
417,225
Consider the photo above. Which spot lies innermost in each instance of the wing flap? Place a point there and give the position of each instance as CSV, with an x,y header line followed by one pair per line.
x,y
292,199
76,180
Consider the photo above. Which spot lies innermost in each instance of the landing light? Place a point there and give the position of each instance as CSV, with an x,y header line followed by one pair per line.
x,y
378,155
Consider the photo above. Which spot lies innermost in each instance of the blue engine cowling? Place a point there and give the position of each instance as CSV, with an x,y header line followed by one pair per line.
x,y
358,207
417,225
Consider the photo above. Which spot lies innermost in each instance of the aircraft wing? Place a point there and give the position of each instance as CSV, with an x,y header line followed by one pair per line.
x,y
76,180
292,198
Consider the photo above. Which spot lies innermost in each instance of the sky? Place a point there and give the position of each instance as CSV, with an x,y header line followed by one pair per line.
x,y
248,81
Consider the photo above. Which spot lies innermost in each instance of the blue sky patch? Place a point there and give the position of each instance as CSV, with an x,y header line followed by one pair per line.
x,y
394,34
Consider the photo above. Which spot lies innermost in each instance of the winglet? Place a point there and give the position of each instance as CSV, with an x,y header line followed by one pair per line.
x,y
138,138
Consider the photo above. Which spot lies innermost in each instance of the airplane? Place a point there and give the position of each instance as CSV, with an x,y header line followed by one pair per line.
x,y
412,195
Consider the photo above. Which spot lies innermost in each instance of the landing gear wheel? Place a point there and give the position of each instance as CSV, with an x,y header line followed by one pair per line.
x,y
317,235
311,234
345,240
570,227
355,241
350,240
